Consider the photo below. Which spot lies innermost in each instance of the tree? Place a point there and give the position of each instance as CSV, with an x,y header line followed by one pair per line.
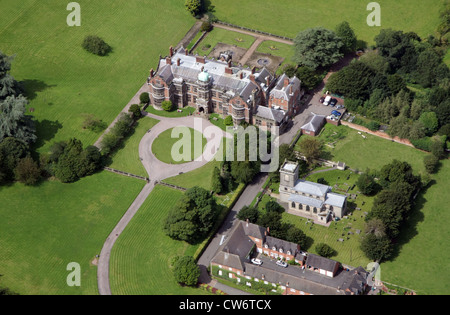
x,y
296,236
309,78
186,271
428,63
216,181
193,6
325,250
193,216
167,106
8,85
206,27
430,162
398,49
14,122
366,184
317,47
250,213
27,171
430,122
12,151
135,111
273,206
376,248
353,81
346,33
96,45
311,148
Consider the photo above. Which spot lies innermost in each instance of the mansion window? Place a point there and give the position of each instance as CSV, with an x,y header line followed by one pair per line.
x,y
293,205
300,206
307,208
315,210
258,122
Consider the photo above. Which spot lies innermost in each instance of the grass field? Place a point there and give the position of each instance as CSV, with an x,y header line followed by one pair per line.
x,y
218,35
359,153
141,256
63,81
288,17
278,49
126,158
44,228
422,256
164,143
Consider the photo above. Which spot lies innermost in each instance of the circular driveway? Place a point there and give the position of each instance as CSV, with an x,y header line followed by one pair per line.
x,y
158,170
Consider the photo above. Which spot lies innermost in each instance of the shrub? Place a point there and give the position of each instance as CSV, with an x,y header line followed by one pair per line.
x,y
423,144
228,121
167,106
186,271
96,45
27,171
206,27
93,124
430,162
144,98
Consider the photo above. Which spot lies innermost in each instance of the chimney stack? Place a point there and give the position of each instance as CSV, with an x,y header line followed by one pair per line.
x,y
253,70
178,62
186,52
200,59
241,75
171,51
268,81
152,73
286,82
168,61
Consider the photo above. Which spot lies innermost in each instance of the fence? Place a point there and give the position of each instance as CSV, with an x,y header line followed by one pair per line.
x,y
254,31
172,186
126,174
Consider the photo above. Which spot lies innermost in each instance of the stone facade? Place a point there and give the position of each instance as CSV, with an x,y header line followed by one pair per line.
x,y
218,86
307,199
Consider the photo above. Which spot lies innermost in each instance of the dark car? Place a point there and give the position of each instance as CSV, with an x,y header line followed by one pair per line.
x,y
322,99
336,113
333,102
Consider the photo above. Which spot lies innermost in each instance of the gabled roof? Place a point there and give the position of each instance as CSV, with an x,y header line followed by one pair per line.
x,y
321,262
270,113
281,244
314,124
312,188
281,92
335,200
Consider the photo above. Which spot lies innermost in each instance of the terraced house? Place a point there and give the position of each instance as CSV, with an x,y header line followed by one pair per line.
x,y
312,274
218,86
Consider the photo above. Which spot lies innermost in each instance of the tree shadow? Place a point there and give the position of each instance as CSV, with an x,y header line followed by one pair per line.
x,y
31,87
46,131
409,227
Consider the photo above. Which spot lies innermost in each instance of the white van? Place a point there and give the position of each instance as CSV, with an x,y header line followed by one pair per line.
x,y
327,100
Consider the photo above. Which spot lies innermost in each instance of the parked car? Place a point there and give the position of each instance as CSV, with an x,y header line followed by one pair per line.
x,y
340,106
327,100
333,102
281,263
256,261
336,113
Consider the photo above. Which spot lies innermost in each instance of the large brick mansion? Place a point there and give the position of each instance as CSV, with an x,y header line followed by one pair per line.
x,y
217,86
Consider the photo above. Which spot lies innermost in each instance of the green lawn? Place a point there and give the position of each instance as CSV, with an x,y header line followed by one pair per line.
x,y
162,146
358,153
423,256
63,81
186,111
141,256
219,35
127,159
44,228
278,49
288,17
